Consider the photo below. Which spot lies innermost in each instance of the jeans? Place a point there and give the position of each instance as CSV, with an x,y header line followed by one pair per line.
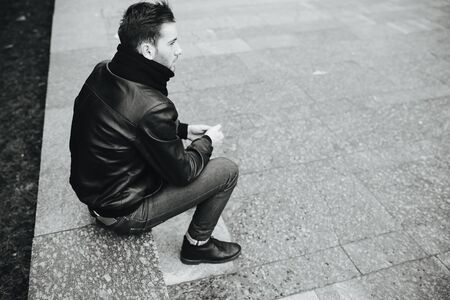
x,y
209,192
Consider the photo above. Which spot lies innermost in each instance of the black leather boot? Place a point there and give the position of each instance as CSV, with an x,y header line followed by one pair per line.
x,y
214,252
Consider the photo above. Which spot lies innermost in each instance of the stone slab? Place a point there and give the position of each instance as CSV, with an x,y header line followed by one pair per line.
x,y
58,208
353,210
389,125
405,96
168,237
223,46
310,139
423,279
68,71
433,238
383,251
394,155
273,280
92,263
413,192
71,31
271,227
303,296
345,80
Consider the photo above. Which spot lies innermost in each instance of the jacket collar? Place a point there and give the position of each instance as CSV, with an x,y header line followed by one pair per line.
x,y
132,66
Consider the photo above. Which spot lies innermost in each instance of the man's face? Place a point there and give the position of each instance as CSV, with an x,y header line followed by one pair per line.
x,y
167,46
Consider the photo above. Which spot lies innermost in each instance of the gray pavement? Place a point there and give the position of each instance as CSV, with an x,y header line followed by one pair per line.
x,y
338,113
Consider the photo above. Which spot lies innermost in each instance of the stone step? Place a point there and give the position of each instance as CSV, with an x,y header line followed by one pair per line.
x,y
71,258
92,263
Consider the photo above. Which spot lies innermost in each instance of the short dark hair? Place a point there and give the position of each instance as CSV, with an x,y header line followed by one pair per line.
x,y
142,22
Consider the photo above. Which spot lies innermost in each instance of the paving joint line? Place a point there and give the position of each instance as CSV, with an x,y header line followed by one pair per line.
x,y
440,260
64,230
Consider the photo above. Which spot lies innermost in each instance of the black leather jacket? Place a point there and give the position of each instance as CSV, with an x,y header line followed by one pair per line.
x,y
124,144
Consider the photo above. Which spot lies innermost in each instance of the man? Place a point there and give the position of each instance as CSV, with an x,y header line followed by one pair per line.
x,y
128,161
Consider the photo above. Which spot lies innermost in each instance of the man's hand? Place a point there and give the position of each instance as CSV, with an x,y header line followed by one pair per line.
x,y
215,133
196,131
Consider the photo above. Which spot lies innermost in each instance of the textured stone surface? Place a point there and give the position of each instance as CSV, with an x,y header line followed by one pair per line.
x,y
74,31
423,279
388,125
354,212
345,80
168,238
432,237
67,76
308,140
383,251
414,193
336,111
272,227
303,296
272,280
57,207
445,258
91,263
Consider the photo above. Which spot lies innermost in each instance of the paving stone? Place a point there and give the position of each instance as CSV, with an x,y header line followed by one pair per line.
x,y
386,157
320,37
303,296
190,50
273,41
258,102
408,74
272,280
93,263
212,71
389,125
308,207
413,192
349,83
433,238
271,227
106,7
287,178
67,76
297,26
82,6
223,46
383,251
310,139
355,19
375,31
423,279
404,96
413,25
205,67
74,31
168,237
442,147
337,107
354,212
439,69
57,206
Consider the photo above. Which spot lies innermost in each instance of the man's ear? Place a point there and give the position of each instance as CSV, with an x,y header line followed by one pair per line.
x,y
147,50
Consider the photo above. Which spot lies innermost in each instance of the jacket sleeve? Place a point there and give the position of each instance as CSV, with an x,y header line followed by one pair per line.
x,y
159,143
182,130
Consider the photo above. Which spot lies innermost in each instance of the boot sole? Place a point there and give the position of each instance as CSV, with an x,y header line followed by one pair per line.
x,y
202,261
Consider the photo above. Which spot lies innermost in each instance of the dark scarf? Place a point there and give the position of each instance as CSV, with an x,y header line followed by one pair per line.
x,y
132,66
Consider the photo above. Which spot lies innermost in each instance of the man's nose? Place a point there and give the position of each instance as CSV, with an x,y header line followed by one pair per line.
x,y
178,51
